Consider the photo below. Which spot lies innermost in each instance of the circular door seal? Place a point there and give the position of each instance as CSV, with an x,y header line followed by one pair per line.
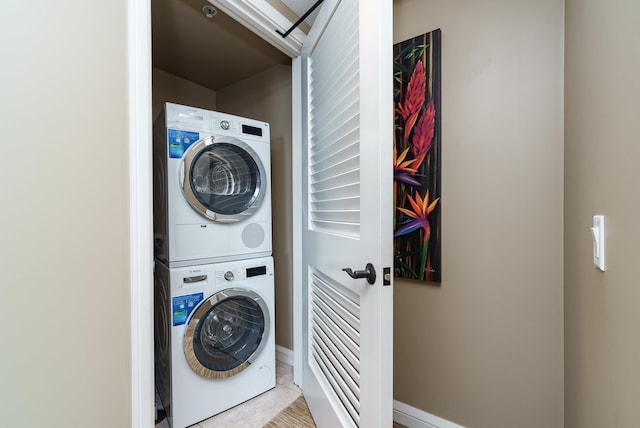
x,y
226,333
223,179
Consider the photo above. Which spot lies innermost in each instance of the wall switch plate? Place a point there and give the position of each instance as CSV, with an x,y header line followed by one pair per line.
x,y
597,232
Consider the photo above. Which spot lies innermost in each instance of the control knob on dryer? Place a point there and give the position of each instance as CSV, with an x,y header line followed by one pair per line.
x,y
228,275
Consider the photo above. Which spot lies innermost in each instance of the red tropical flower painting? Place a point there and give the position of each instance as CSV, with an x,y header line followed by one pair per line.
x,y
416,152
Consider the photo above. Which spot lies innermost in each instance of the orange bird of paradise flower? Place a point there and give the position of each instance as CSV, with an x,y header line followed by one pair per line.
x,y
402,170
421,210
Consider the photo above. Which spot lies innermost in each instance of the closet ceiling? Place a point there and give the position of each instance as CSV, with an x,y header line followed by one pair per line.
x,y
213,52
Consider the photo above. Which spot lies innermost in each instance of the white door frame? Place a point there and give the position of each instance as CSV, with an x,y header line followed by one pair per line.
x,y
140,212
263,19
141,191
296,223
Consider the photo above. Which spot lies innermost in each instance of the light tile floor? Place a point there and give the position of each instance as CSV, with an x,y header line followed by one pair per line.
x,y
258,411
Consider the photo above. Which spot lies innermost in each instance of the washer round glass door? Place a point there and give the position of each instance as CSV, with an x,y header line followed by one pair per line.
x,y
223,179
226,333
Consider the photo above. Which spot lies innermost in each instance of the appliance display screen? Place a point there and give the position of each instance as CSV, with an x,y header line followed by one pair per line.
x,y
255,271
251,130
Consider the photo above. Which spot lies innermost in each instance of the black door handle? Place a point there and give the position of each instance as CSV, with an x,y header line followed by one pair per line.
x,y
369,273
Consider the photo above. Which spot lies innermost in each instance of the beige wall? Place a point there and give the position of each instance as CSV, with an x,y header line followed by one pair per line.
x,y
267,97
602,310
64,312
485,348
167,87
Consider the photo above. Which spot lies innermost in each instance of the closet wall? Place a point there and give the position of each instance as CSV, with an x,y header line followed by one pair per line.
x,y
171,88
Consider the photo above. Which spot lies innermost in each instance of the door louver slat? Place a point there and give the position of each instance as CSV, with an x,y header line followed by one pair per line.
x,y
342,56
335,338
339,138
334,120
347,310
344,228
350,350
336,180
337,192
346,336
351,412
347,361
347,217
340,377
349,204
343,166
350,150
342,100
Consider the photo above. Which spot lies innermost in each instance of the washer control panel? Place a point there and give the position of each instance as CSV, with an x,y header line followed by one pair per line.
x,y
229,274
238,127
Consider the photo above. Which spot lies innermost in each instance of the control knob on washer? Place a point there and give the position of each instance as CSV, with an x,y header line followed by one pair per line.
x,y
228,275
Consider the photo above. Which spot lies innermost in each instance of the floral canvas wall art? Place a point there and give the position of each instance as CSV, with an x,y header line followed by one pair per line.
x,y
417,153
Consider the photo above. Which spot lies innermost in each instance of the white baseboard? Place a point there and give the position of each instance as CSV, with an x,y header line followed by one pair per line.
x,y
284,355
416,418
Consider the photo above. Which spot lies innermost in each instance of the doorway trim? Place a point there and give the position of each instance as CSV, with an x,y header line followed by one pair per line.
x,y
263,19
296,223
141,190
140,212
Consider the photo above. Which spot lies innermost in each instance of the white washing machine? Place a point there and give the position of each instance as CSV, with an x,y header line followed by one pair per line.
x,y
214,337
212,196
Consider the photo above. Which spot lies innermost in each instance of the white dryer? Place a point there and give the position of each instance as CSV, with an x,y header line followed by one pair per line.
x,y
212,178
214,337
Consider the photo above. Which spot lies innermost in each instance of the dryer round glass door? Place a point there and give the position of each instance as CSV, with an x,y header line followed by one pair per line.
x,y
226,333
223,179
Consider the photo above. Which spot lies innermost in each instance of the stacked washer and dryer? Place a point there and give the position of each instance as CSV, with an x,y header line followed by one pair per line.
x,y
214,283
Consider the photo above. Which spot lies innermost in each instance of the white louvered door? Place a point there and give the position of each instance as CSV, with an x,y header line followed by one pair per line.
x,y
347,180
